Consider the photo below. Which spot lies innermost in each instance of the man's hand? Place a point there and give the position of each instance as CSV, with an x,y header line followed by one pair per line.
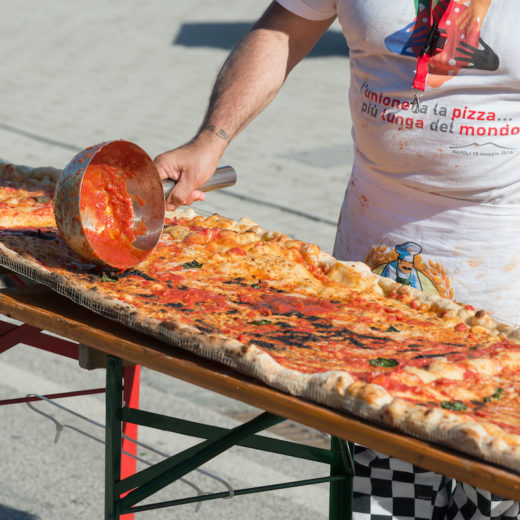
x,y
190,165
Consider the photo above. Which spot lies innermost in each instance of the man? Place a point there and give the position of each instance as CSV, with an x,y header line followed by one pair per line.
x,y
439,164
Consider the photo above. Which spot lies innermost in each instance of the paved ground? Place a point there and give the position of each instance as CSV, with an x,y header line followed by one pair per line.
x,y
74,75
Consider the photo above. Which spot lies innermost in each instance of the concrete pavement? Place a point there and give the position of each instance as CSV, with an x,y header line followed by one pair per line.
x,y
77,73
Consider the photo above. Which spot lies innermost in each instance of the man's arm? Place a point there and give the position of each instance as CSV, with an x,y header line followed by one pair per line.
x,y
249,79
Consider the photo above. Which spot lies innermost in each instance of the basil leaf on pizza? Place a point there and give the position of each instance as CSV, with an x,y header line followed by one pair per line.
x,y
456,406
383,362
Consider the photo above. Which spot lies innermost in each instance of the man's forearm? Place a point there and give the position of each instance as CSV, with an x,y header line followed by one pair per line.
x,y
256,69
248,81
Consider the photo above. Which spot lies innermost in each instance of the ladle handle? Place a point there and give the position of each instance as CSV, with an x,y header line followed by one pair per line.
x,y
223,177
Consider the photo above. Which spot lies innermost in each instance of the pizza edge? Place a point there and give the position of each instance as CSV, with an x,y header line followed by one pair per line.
x,y
338,390
452,312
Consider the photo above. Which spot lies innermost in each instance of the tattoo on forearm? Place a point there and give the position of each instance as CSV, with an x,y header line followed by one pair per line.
x,y
220,132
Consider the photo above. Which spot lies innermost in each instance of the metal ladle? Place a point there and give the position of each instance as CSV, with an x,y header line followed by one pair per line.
x,y
147,190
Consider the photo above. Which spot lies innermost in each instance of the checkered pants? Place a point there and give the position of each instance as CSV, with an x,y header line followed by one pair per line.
x,y
386,488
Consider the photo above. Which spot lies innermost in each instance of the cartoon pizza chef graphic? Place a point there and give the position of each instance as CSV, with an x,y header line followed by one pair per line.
x,y
463,44
403,270
404,264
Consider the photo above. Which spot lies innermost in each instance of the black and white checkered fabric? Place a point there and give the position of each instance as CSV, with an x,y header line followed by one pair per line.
x,y
469,502
386,488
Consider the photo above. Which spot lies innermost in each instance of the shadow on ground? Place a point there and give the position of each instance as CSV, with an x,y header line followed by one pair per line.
x,y
224,35
7,513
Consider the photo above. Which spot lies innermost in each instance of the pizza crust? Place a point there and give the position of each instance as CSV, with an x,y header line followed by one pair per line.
x,y
483,440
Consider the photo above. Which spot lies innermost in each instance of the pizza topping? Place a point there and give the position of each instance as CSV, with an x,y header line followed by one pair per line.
x,y
261,322
237,251
456,406
105,277
499,392
136,272
429,356
392,329
42,199
383,362
461,327
192,265
292,304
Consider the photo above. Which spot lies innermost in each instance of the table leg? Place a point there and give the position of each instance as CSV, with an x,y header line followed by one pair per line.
x,y
151,480
131,377
114,397
341,491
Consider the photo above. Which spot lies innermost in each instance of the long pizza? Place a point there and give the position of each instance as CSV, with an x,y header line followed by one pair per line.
x,y
291,315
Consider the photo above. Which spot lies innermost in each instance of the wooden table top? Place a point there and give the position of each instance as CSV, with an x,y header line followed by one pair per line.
x,y
43,308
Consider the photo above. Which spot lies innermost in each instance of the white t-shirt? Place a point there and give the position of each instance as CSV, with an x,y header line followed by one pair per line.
x,y
434,198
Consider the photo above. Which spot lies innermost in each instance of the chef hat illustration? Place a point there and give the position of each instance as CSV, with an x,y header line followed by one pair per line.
x,y
407,251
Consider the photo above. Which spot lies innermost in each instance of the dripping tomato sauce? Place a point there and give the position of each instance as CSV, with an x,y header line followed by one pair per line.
x,y
108,215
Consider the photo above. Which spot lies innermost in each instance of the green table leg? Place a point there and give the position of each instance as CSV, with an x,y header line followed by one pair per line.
x,y
341,492
339,457
114,397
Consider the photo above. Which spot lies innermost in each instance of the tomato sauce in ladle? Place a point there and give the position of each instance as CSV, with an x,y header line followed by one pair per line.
x,y
107,213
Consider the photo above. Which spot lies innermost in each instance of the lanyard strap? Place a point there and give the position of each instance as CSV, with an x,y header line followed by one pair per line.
x,y
434,42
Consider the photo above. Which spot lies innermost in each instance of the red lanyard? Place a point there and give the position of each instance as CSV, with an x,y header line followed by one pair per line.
x,y
433,45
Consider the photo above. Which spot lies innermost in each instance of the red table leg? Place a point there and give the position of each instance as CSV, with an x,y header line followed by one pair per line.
x,y
12,334
131,377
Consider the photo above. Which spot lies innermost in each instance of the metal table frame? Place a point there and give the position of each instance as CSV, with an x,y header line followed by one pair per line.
x,y
150,480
